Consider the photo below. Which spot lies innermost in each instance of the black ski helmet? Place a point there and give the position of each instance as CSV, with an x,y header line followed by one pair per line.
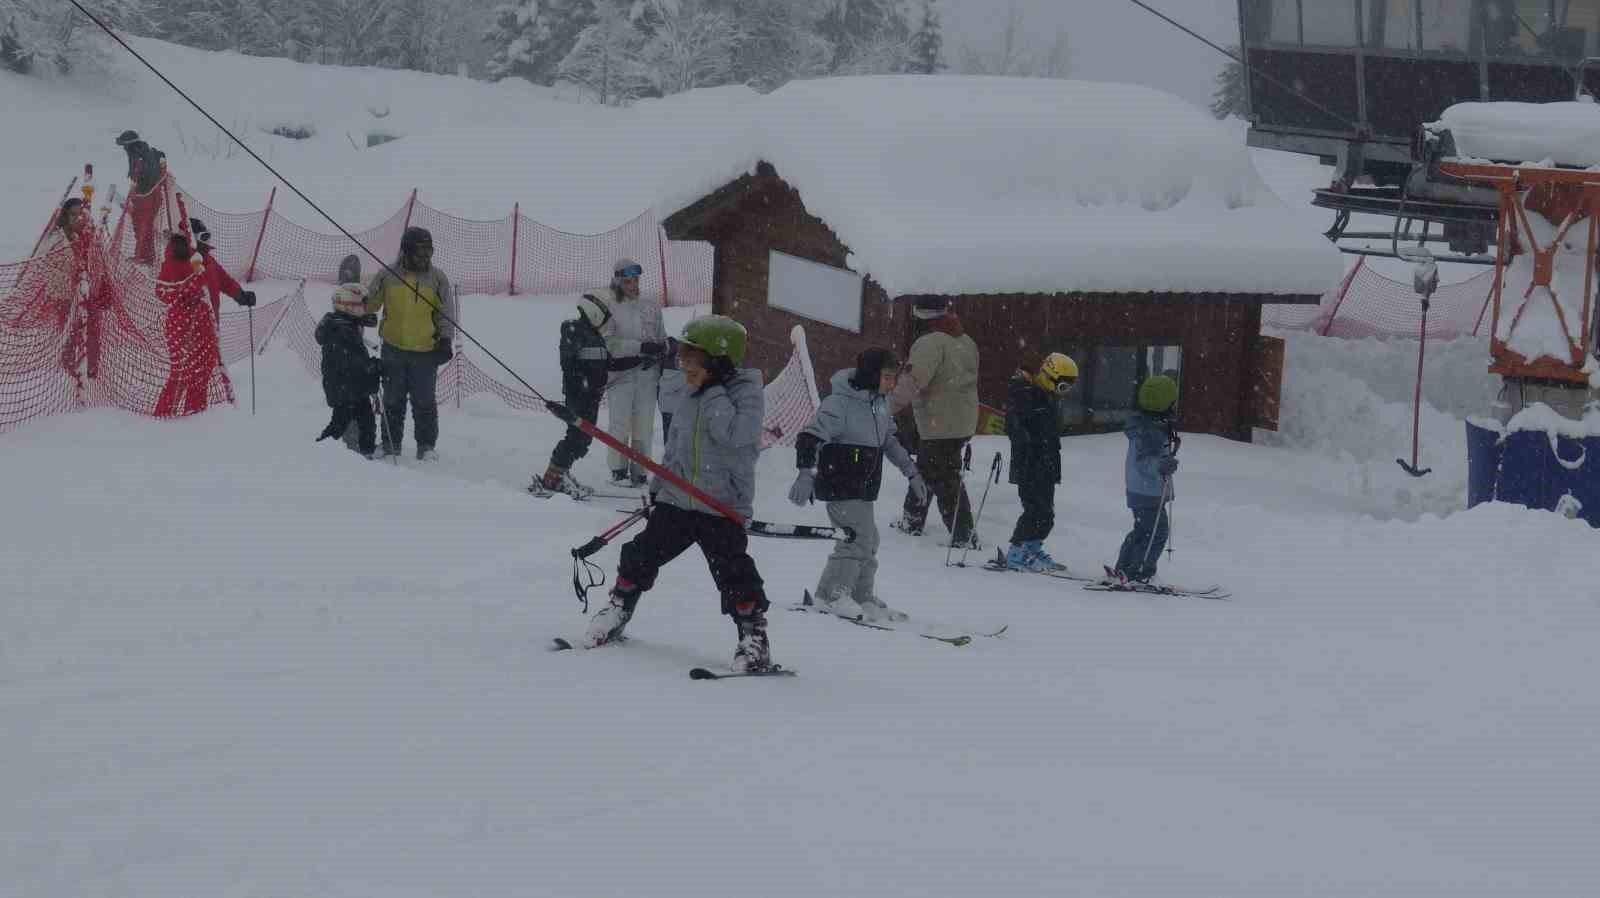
x,y
66,210
870,365
127,137
199,230
413,240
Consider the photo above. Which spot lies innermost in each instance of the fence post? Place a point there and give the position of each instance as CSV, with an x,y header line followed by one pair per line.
x,y
411,206
516,219
661,250
250,274
1344,289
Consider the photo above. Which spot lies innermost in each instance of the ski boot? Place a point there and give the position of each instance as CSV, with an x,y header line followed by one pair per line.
x,y
874,610
608,623
840,603
560,480
427,453
754,652
1018,558
619,476
906,525
1037,553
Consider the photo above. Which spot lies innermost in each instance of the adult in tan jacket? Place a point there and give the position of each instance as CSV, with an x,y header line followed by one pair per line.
x,y
944,370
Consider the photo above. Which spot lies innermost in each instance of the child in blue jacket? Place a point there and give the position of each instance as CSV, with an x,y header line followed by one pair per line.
x,y
1148,471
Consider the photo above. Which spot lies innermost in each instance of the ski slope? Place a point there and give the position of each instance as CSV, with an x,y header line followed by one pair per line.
x,y
236,662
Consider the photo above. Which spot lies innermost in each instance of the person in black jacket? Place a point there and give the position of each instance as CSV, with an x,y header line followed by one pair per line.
x,y
1033,424
586,366
349,375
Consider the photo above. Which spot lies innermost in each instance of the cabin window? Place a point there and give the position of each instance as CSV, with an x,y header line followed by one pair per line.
x,y
1108,385
1329,23
1541,28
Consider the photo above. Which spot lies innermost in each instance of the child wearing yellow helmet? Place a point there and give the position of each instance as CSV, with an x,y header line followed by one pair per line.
x,y
1033,424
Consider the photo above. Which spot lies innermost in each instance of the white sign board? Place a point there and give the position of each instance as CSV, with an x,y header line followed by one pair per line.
x,y
819,292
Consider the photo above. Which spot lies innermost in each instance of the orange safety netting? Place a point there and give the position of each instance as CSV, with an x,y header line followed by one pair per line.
x,y
1368,304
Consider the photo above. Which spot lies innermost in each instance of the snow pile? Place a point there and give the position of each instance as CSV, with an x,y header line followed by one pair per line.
x,y
937,184
967,185
1347,404
1565,133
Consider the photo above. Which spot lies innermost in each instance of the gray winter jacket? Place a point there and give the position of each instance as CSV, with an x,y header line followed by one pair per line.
x,y
713,443
672,390
851,419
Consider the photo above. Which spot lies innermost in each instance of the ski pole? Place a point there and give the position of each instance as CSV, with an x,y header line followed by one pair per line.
x,y
993,478
580,555
1166,490
250,318
955,519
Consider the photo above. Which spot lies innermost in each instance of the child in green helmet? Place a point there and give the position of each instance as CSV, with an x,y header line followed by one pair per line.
x,y
713,442
1148,471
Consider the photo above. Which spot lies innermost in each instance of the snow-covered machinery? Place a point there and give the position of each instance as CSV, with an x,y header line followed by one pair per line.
x,y
1542,162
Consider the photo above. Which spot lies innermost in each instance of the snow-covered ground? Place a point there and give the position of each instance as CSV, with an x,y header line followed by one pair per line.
x,y
237,662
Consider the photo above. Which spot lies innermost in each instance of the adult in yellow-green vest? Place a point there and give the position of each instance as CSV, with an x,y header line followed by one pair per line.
x,y
419,312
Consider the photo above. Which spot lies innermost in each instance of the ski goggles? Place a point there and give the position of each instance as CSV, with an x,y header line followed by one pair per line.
x,y
630,271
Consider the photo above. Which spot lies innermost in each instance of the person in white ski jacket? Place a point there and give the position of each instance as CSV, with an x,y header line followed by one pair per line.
x,y
634,329
847,441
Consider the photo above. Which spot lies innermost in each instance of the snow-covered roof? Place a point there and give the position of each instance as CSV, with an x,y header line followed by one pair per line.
x,y
1539,133
990,185
938,184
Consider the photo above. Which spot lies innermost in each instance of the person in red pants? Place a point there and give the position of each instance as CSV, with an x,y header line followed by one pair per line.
x,y
191,332
147,170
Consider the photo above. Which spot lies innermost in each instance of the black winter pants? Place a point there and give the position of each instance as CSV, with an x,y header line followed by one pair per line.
x,y
575,443
939,462
366,424
414,376
671,530
1038,511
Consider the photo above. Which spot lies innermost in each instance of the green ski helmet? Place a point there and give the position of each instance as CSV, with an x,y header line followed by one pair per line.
x,y
1158,394
717,336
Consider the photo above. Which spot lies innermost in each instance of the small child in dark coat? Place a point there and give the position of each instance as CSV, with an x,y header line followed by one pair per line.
x,y
349,374
1033,423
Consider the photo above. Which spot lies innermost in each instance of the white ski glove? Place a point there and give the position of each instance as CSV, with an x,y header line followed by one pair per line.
x,y
919,488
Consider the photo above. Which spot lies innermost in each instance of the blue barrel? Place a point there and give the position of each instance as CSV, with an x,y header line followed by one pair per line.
x,y
1534,468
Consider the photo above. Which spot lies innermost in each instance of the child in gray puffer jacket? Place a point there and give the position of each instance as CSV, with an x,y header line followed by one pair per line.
x,y
847,442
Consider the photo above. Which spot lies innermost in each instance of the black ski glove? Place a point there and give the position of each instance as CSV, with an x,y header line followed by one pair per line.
x,y
442,352
246,298
652,348
1167,466
562,412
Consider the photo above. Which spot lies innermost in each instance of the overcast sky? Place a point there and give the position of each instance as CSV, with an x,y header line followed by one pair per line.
x,y
1112,40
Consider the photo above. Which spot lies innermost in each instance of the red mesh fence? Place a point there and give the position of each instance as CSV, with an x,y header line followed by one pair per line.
x,y
81,327
791,398
512,255
1368,304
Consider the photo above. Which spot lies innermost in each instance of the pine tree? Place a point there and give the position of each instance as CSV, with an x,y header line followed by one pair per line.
x,y
518,28
862,32
780,42
927,44
605,58
690,45
1227,95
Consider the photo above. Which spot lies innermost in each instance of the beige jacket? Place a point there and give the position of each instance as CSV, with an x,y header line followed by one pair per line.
x,y
945,370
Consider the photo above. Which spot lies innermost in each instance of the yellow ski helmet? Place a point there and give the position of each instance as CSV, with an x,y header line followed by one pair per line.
x,y
1057,373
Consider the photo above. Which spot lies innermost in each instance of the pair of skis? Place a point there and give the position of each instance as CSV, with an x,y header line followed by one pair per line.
x,y
696,673
1111,582
808,605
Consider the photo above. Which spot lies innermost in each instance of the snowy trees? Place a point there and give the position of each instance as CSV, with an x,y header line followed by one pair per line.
x,y
1227,93
605,58
690,45
530,38
47,33
867,36
927,44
